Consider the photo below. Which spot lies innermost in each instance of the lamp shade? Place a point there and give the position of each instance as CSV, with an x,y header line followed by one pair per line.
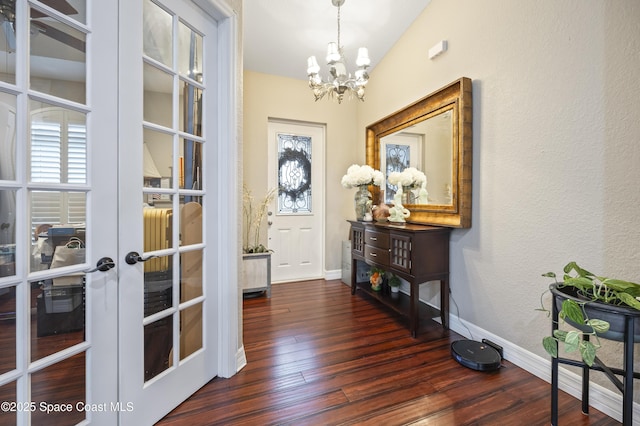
x,y
312,66
363,57
333,53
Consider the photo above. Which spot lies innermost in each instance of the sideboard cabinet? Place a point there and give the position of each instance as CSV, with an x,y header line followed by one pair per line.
x,y
416,253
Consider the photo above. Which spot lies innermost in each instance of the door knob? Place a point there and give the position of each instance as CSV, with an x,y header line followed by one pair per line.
x,y
103,265
134,257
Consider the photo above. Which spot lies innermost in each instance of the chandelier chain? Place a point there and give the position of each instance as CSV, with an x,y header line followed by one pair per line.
x,y
339,45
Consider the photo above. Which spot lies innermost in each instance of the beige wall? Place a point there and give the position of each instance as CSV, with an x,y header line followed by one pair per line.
x,y
556,152
267,96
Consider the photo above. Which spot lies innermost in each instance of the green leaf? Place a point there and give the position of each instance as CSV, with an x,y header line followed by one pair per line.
x,y
549,274
580,282
561,335
551,346
599,326
572,341
573,311
629,300
573,266
588,352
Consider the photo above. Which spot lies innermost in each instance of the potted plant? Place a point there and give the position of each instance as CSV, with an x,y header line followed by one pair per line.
x,y
594,305
394,283
256,256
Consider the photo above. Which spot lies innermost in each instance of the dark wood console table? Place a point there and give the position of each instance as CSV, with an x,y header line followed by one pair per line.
x,y
416,253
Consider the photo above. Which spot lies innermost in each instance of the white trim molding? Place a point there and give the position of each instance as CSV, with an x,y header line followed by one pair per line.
x,y
600,398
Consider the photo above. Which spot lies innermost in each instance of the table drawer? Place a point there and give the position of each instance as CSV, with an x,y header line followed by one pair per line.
x,y
376,239
377,254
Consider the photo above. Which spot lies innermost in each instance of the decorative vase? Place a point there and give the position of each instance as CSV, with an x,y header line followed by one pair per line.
x,y
363,202
394,288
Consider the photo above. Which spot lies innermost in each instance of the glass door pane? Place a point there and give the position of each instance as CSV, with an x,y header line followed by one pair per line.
x,y
173,152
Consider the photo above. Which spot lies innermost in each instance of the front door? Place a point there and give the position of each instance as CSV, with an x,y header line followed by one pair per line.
x,y
295,217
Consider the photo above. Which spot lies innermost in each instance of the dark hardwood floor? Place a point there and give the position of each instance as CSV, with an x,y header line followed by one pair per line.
x,y
319,356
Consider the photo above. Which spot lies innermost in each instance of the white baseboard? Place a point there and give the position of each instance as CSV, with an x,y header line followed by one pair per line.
x,y
600,398
241,359
336,274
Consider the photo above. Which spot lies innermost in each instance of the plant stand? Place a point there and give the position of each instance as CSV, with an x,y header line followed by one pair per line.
x,y
256,273
623,328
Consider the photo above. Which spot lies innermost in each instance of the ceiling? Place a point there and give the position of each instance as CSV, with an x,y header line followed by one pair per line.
x,y
279,35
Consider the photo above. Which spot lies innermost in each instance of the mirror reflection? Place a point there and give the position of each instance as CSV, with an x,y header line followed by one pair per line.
x,y
425,146
428,141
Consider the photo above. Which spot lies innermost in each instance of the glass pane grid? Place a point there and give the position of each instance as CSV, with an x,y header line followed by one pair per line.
x,y
173,127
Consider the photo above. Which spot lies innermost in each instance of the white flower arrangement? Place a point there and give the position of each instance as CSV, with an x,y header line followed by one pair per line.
x,y
362,175
409,177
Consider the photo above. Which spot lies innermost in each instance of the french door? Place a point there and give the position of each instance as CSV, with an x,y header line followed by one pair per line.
x,y
169,136
58,211
109,298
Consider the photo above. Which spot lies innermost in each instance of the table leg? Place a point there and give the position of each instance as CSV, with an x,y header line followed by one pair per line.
x,y
413,308
444,302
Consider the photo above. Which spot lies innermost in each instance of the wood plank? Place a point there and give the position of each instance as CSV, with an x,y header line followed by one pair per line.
x,y
318,355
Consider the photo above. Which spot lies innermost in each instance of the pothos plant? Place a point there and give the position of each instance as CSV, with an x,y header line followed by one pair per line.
x,y
253,215
591,288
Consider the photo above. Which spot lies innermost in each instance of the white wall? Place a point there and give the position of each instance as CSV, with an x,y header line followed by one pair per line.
x,y
556,100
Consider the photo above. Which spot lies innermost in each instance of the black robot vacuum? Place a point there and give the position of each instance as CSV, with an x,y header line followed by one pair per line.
x,y
478,356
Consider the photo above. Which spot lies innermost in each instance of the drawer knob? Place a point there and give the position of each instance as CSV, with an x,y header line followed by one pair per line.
x,y
373,255
373,238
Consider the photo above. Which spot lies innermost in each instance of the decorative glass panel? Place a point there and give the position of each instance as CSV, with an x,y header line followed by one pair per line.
x,y
191,97
58,144
397,159
158,342
7,233
7,330
190,330
294,174
8,134
57,217
189,53
58,385
157,161
158,280
158,89
57,315
53,42
190,166
157,30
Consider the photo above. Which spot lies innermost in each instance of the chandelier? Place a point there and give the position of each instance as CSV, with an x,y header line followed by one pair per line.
x,y
339,81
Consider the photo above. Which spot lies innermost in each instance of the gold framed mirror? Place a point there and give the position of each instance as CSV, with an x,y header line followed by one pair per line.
x,y
434,136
